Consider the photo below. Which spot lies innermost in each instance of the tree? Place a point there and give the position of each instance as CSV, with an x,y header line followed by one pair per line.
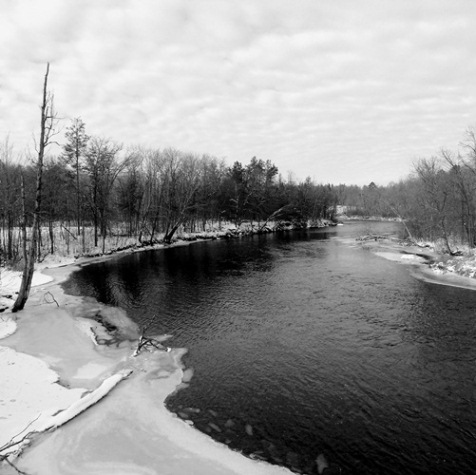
x,y
462,177
250,190
212,172
435,195
236,189
131,191
103,167
181,180
74,151
10,209
152,193
57,202
47,130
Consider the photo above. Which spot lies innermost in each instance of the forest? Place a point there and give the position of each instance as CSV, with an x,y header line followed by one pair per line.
x,y
95,189
97,186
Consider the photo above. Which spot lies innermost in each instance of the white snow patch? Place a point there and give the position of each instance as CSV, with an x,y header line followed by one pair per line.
x,y
398,257
31,400
10,280
8,326
28,392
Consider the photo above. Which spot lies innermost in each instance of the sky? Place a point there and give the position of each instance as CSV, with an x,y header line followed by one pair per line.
x,y
342,91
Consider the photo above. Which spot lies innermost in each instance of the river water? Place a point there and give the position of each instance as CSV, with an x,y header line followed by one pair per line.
x,y
302,343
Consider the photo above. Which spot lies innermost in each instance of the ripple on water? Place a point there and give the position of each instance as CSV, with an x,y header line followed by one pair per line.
x,y
315,346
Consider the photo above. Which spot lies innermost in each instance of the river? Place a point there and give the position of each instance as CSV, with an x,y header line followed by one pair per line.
x,y
302,343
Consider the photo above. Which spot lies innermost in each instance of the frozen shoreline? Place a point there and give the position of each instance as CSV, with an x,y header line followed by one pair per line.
x,y
57,371
425,263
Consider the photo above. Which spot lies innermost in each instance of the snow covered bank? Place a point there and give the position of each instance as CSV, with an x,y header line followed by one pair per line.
x,y
131,432
53,370
426,264
10,281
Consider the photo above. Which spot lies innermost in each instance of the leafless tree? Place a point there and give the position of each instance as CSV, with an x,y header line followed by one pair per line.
x,y
47,131
435,197
9,202
103,166
181,180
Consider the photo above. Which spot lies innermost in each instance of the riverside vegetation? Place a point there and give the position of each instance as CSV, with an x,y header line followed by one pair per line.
x,y
96,196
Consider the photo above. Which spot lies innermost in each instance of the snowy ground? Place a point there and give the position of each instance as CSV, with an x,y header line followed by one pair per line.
x,y
106,406
425,262
10,284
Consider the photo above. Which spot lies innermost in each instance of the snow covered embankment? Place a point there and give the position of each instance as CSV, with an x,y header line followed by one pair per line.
x,y
51,371
54,369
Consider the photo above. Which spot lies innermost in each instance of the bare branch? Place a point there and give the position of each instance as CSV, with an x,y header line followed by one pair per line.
x,y
52,297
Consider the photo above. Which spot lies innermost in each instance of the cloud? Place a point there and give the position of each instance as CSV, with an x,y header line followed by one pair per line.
x,y
328,89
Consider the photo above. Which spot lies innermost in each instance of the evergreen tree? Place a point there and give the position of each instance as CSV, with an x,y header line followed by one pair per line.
x,y
73,153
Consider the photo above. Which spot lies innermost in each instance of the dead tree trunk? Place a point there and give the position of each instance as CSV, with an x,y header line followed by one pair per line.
x,y
47,123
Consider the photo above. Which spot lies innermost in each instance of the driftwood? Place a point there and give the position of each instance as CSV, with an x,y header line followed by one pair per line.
x,y
12,442
49,294
8,445
148,343
61,417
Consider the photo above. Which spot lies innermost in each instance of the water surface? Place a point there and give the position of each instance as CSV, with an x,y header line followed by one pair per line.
x,y
301,343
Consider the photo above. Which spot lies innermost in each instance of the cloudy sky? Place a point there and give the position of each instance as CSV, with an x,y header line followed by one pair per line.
x,y
343,91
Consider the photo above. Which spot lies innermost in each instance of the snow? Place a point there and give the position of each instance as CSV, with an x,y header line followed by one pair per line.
x,y
132,432
7,326
21,401
32,402
11,280
49,364
107,407
455,272
399,257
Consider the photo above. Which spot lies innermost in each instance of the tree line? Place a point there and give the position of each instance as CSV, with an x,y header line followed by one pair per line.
x,y
437,201
97,185
95,188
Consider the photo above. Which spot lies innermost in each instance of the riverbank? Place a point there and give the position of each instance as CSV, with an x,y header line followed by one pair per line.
x,y
426,262
113,247
69,405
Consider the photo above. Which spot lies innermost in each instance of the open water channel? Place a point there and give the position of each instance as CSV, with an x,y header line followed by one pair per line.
x,y
302,343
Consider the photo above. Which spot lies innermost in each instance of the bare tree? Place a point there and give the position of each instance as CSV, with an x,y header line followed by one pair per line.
x,y
103,167
462,175
131,190
9,202
435,193
47,131
181,180
152,195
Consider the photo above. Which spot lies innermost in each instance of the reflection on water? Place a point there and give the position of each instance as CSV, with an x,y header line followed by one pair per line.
x,y
301,344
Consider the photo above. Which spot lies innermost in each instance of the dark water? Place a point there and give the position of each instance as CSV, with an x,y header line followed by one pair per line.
x,y
301,344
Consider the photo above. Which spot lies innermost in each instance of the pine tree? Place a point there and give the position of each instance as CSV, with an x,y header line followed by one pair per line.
x,y
74,150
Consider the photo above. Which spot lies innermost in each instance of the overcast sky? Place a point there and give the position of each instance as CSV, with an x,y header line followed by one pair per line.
x,y
341,91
